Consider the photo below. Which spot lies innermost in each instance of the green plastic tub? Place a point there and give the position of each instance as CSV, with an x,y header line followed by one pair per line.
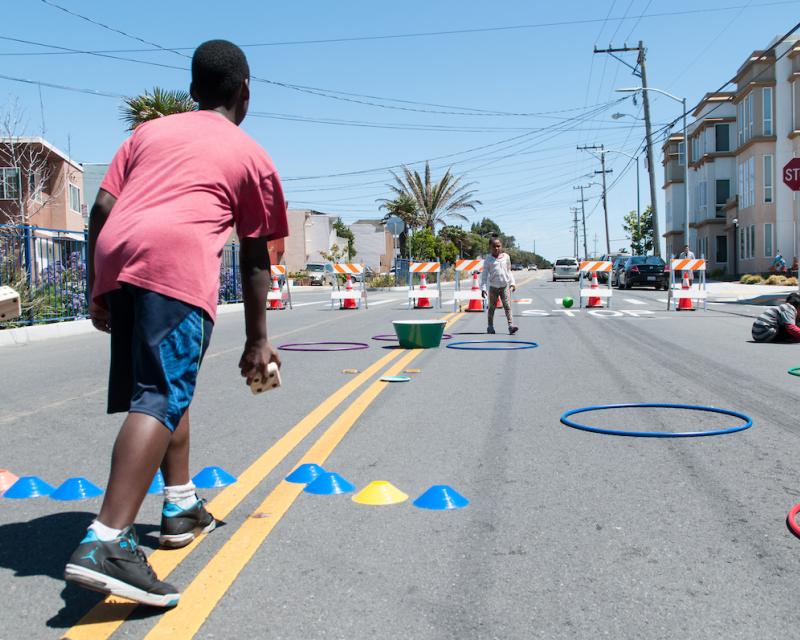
x,y
419,334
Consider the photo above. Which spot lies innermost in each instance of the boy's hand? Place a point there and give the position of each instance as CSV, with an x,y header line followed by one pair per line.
x,y
483,292
100,317
256,358
513,287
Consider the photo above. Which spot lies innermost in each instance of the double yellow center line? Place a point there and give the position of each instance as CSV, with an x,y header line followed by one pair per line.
x,y
201,596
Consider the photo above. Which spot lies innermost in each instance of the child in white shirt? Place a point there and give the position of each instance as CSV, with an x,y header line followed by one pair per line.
x,y
499,278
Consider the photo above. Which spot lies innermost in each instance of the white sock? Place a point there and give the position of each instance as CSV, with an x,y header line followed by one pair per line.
x,y
182,495
103,532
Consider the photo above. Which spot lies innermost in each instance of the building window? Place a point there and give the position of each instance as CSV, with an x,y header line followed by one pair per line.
x,y
35,186
74,198
722,249
768,240
9,183
722,135
795,116
740,123
695,143
768,178
681,153
702,195
751,245
751,181
749,115
723,188
746,183
742,251
766,104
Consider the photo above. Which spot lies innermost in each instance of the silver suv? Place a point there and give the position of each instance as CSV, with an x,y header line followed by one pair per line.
x,y
566,269
320,273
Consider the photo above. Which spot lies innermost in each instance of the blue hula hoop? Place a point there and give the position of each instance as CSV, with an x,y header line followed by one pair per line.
x,y
748,421
521,344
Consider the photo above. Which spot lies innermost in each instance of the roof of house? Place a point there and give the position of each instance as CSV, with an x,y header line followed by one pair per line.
x,y
38,140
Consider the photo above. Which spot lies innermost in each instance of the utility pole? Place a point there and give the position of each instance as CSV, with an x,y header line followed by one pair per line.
x,y
575,228
603,171
640,71
583,217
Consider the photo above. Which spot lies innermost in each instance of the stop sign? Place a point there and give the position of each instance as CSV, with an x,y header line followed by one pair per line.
x,y
791,174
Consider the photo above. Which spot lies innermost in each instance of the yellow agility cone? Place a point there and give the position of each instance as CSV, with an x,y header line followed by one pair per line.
x,y
380,492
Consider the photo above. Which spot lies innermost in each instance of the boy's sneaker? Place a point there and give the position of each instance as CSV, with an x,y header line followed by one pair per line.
x,y
119,567
180,526
512,329
489,329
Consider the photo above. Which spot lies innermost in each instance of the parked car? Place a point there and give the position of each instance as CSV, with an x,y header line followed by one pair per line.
x,y
617,265
611,257
533,267
566,269
516,267
650,271
321,273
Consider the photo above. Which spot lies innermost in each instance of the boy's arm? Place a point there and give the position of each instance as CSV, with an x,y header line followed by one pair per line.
x,y
101,209
255,272
511,274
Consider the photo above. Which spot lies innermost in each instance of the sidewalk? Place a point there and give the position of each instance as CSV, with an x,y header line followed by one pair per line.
x,y
762,294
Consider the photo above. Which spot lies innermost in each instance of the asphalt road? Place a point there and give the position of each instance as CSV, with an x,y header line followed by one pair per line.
x,y
568,534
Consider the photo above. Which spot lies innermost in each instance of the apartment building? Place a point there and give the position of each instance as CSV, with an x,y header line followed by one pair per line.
x,y
39,185
740,213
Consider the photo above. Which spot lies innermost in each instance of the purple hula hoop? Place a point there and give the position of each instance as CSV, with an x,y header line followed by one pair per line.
x,y
390,337
313,346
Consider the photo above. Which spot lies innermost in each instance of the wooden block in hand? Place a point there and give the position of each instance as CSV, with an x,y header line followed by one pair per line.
x,y
272,382
10,307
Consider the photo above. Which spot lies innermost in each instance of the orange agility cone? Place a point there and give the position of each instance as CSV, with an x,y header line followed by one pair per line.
x,y
276,303
475,304
423,303
6,480
594,301
349,303
685,304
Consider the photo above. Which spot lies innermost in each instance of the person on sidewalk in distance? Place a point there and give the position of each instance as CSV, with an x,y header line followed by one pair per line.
x,y
164,212
779,324
499,278
687,254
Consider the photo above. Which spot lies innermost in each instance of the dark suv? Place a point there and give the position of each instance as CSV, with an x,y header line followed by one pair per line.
x,y
647,271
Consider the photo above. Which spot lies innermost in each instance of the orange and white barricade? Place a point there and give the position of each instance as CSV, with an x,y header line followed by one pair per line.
x,y
415,294
284,292
697,286
356,272
589,269
470,266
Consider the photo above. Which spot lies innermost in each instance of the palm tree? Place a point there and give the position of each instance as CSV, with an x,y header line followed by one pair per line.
x,y
403,206
149,106
435,201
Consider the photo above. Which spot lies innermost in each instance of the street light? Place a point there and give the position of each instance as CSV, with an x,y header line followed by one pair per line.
x,y
685,151
638,204
617,116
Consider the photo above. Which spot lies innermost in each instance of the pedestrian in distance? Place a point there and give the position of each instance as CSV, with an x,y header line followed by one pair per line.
x,y
779,324
499,279
165,209
687,254
778,264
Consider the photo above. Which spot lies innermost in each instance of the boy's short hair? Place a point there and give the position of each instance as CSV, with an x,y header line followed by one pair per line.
x,y
793,299
494,237
218,69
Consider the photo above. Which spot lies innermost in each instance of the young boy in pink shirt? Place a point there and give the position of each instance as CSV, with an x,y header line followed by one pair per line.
x,y
172,194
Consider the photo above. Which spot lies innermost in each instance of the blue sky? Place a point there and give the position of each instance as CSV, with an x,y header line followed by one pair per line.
x,y
525,183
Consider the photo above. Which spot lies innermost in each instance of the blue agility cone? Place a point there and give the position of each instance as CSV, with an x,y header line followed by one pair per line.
x,y
441,497
28,487
328,484
157,485
76,489
213,478
305,473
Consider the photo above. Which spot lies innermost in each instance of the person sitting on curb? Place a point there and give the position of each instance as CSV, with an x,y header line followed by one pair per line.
x,y
779,324
778,264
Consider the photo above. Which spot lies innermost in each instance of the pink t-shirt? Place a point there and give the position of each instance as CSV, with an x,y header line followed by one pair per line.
x,y
181,183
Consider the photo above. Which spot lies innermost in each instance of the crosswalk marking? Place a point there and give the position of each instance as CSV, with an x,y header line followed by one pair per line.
x,y
375,304
634,301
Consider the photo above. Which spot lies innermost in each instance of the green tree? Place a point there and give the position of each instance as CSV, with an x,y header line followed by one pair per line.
x,y
445,250
335,255
435,201
402,206
149,106
422,245
486,227
641,235
344,232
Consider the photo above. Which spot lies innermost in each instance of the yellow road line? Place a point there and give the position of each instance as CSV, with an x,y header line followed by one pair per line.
x,y
105,617
201,597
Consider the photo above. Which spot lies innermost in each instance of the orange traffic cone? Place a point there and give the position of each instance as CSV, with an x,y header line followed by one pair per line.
x,y
685,304
349,303
6,480
594,301
276,303
423,303
477,303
